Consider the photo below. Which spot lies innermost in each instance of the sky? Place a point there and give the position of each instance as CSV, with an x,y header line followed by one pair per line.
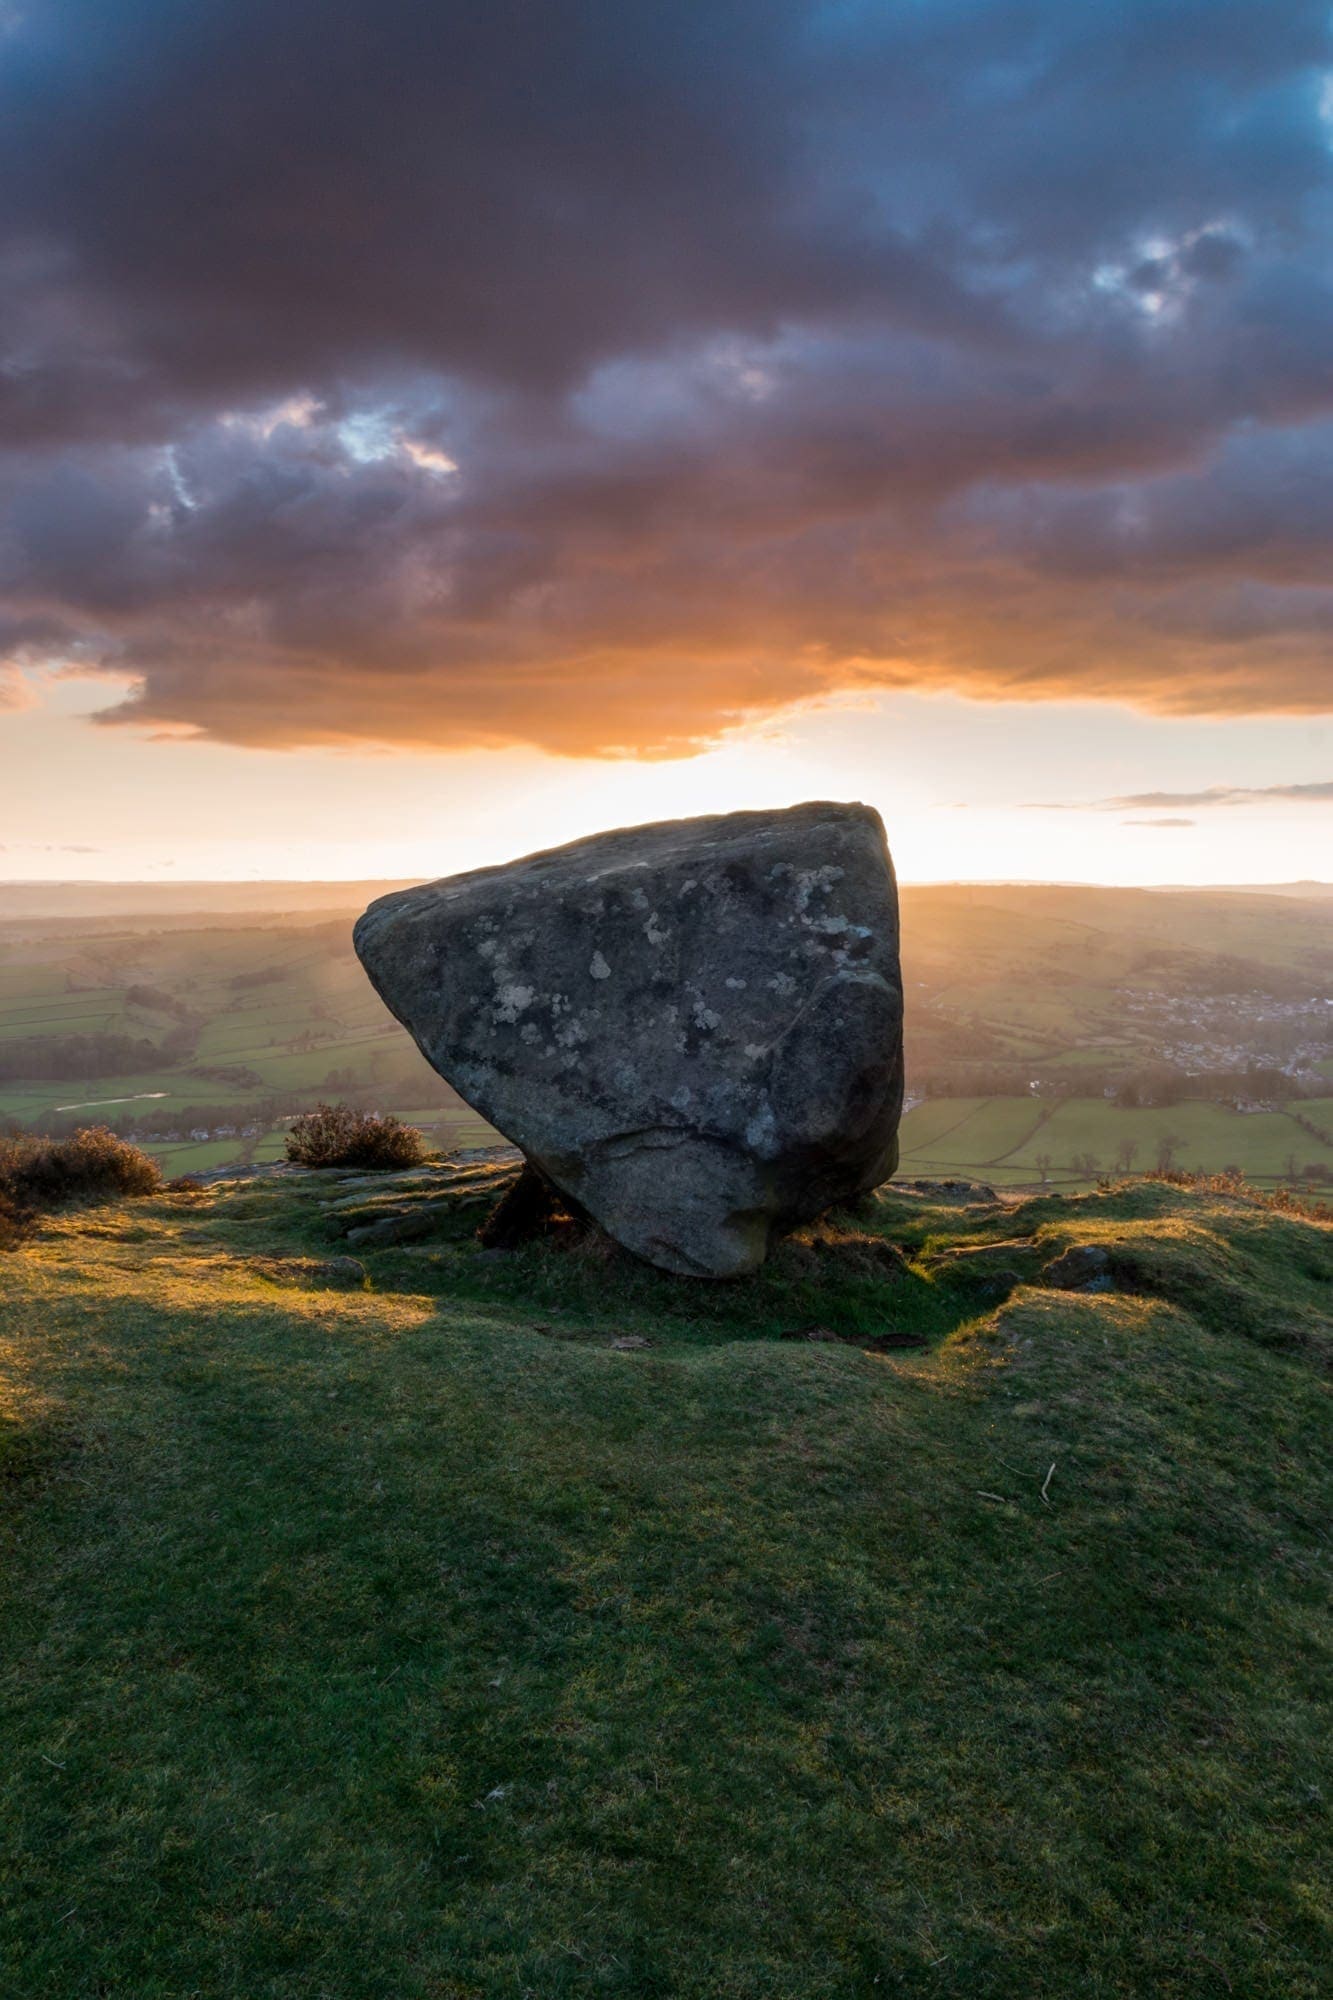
x,y
430,432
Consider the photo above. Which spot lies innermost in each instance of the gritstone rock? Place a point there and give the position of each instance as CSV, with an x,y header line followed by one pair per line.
x,y
693,1030
1084,1267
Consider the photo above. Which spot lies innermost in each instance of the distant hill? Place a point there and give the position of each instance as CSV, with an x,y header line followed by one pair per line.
x,y
63,901
60,901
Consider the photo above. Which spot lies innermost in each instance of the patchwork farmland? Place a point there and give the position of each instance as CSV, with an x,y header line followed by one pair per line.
x,y
1016,1142
1055,1036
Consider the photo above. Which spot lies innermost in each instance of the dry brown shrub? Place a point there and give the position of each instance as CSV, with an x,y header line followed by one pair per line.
x,y
15,1224
92,1165
337,1135
1286,1200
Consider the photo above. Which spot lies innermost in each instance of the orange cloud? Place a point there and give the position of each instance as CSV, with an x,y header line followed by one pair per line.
x,y
607,377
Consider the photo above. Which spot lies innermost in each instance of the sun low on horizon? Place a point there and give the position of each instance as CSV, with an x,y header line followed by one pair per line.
x,y
496,427
188,810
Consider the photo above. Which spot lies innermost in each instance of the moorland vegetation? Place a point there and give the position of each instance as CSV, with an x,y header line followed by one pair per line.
x,y
427,1620
92,1165
338,1135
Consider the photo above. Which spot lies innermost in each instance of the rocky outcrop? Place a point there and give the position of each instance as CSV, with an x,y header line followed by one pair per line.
x,y
693,1030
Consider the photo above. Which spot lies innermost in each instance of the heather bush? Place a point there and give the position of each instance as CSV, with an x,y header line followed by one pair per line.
x,y
1286,1200
337,1135
14,1224
91,1165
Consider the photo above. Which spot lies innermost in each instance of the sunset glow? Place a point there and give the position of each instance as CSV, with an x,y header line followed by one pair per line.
x,y
729,406
968,790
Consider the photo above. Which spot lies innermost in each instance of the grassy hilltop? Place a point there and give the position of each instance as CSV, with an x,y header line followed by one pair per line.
x,y
451,1624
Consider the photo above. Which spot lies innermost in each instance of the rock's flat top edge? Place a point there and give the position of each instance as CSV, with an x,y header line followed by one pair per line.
x,y
604,845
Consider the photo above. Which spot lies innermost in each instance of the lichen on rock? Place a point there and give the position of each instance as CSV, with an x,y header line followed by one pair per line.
x,y
693,1030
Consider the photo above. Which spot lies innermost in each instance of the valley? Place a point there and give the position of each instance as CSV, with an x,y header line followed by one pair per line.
x,y
1054,1035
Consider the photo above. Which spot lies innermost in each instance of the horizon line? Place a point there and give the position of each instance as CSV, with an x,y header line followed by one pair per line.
x,y
360,881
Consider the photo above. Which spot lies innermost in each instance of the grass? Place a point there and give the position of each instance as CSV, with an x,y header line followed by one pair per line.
x,y
191,1157
417,1642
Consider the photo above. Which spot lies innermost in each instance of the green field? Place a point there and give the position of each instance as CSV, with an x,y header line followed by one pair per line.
x,y
1067,989
417,1642
287,1007
1004,1140
983,1132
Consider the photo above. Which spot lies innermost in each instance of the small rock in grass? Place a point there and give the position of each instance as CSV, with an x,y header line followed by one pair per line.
x,y
403,1225
626,1341
349,1271
970,1193
1084,1267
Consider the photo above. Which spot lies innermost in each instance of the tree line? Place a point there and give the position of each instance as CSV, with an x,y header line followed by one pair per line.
x,y
1149,1085
82,1058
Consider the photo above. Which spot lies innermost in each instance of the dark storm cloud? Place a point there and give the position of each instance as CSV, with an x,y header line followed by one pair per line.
x,y
222,199
1262,508
600,375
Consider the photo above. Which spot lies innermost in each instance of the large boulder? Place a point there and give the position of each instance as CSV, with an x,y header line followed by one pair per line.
x,y
693,1030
